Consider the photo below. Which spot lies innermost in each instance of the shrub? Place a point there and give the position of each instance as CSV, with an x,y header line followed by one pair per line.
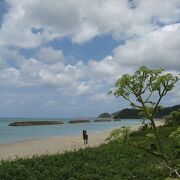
x,y
173,118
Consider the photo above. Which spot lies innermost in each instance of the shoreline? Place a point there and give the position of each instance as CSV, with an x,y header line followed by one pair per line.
x,y
57,136
55,144
50,145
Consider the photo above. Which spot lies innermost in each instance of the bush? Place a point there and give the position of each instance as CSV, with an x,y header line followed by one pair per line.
x,y
119,135
173,118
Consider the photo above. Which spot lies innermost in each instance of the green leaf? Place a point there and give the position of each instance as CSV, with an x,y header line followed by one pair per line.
x,y
150,135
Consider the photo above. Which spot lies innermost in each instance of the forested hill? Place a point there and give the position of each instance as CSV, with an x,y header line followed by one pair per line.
x,y
134,113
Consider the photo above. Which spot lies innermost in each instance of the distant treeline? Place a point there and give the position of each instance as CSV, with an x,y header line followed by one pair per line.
x,y
135,114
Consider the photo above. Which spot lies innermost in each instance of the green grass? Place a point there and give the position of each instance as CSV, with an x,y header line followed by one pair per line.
x,y
107,162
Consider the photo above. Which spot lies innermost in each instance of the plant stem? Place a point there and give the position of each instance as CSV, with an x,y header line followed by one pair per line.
x,y
158,141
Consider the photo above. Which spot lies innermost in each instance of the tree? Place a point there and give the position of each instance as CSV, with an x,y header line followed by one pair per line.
x,y
144,90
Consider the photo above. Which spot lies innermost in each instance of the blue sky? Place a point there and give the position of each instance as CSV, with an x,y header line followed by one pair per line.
x,y
60,58
3,10
97,48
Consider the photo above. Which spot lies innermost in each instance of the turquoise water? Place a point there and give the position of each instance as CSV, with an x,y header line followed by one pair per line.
x,y
10,134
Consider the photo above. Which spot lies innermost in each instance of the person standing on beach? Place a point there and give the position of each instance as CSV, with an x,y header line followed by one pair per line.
x,y
85,137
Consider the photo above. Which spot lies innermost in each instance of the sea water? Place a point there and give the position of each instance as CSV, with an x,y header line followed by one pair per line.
x,y
9,134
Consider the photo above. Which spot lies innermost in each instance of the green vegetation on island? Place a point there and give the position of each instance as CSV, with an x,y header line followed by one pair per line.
x,y
127,114
132,113
104,115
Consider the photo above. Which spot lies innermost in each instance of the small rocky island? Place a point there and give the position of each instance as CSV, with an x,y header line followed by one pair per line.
x,y
104,115
103,120
79,121
35,123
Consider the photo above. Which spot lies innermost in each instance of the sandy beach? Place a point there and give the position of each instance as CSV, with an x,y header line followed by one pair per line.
x,y
53,145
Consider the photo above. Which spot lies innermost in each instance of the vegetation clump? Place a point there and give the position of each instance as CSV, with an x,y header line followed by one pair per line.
x,y
173,118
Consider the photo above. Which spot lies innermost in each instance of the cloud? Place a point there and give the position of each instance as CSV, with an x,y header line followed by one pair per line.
x,y
50,55
159,49
87,33
83,88
10,76
49,66
51,103
150,31
83,20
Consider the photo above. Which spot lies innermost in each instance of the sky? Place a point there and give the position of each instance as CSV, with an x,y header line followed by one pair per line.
x,y
60,58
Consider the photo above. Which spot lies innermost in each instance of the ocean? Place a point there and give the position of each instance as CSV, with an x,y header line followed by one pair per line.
x,y
9,134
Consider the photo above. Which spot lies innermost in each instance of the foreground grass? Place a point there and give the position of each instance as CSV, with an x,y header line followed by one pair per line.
x,y
107,162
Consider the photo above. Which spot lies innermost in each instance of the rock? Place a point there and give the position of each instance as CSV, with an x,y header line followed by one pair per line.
x,y
117,120
35,123
79,121
103,120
